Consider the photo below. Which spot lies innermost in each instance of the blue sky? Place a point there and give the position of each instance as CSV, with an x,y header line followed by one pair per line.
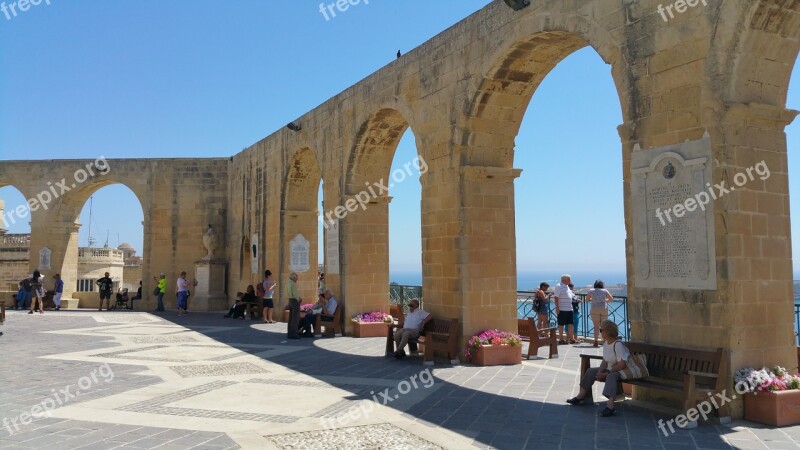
x,y
196,78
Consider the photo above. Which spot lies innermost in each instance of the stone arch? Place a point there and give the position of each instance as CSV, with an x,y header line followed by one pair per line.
x,y
63,225
766,53
511,76
301,181
373,152
299,217
365,232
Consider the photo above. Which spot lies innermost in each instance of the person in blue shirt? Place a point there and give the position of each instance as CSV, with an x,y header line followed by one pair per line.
x,y
59,289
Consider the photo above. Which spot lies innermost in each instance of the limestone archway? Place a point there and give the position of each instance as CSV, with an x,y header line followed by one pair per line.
x,y
64,240
490,125
365,226
299,224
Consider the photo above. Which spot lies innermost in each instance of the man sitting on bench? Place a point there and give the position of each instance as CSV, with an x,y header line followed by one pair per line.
x,y
327,302
414,323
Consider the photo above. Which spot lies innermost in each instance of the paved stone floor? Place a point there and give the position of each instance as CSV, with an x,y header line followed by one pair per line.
x,y
141,380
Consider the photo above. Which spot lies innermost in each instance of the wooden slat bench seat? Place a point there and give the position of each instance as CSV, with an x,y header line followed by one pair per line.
x,y
526,328
692,373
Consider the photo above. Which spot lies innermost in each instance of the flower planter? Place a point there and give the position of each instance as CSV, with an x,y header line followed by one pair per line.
x,y
777,408
369,329
497,355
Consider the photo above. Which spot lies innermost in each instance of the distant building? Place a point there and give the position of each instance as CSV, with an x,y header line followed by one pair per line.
x,y
124,267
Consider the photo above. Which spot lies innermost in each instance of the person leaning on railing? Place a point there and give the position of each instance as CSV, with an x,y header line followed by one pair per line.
x,y
599,298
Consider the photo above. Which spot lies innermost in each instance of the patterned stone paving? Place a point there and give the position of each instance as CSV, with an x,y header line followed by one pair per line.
x,y
311,393
216,370
381,436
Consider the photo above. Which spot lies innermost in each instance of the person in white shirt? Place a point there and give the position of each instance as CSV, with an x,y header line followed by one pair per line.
x,y
414,323
563,295
615,359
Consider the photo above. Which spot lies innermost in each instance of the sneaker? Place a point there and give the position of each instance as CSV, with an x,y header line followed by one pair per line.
x,y
30,312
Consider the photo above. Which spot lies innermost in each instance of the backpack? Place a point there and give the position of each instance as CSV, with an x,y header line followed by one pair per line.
x,y
260,290
26,285
538,305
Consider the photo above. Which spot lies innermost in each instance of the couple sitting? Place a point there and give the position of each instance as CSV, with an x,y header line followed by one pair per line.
x,y
328,304
243,299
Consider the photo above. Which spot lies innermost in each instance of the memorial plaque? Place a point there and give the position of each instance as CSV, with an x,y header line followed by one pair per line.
x,y
44,258
298,251
332,247
673,216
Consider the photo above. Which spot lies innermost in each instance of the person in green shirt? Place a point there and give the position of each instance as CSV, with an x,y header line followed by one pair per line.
x,y
162,289
293,294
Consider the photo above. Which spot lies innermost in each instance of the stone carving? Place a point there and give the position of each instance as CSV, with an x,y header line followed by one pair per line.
x,y
44,258
210,242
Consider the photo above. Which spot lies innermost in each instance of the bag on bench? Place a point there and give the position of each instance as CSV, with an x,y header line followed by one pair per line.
x,y
635,366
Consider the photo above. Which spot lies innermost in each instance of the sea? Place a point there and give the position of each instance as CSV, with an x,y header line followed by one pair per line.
x,y
529,281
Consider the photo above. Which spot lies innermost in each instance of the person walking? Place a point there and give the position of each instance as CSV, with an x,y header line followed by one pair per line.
x,y
57,291
599,298
293,294
161,290
106,286
183,294
37,292
269,291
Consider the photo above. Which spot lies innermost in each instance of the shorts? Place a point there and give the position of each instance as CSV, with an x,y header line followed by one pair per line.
x,y
105,295
268,303
598,314
183,297
565,318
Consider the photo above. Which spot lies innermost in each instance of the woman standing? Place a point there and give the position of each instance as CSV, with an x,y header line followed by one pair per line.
x,y
599,298
543,311
37,292
615,357
269,292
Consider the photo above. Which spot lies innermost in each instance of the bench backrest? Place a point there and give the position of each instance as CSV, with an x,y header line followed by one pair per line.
x,y
396,311
446,326
526,327
672,362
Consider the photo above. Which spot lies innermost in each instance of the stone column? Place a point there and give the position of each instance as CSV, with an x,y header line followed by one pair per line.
x,y
754,238
469,247
62,239
365,258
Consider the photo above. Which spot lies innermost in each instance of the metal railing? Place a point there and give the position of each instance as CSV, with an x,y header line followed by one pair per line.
x,y
617,311
797,323
402,294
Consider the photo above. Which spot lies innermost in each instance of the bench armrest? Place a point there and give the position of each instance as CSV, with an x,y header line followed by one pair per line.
x,y
590,356
547,329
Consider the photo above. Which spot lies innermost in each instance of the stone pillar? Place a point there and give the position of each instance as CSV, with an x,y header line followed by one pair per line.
x,y
62,239
365,259
294,224
755,239
469,247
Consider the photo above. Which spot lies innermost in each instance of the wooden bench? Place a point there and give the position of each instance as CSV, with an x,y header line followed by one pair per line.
x,y
438,335
332,326
526,328
693,373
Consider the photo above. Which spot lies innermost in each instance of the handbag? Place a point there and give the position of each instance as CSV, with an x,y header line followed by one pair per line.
x,y
635,366
156,291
